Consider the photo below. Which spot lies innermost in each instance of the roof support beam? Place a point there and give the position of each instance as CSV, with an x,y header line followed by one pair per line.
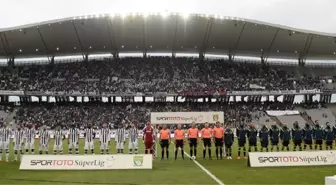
x,y
5,47
175,37
144,37
79,40
265,57
45,45
303,55
206,38
111,36
233,54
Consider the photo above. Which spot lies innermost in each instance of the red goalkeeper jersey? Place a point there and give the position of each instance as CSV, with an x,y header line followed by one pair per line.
x,y
148,133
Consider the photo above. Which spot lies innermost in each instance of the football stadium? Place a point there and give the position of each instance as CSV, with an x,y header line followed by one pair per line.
x,y
166,98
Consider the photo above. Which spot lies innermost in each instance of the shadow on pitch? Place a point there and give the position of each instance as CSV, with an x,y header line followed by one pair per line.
x,y
68,182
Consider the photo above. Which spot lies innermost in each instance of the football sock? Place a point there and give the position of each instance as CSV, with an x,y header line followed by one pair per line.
x,y
77,151
244,149
203,153
320,147
221,152
191,152
86,152
136,151
27,150
61,152
176,154
162,154
130,151
209,150
7,154
217,152
47,152
15,155
238,151
55,152
167,153
195,152
249,150
70,151
92,151
121,151
182,153
21,152
146,151
40,152
32,151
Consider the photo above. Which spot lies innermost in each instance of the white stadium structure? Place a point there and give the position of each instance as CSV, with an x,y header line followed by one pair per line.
x,y
169,33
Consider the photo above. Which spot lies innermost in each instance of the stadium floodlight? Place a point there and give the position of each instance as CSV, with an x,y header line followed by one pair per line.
x,y
295,51
57,48
20,29
334,53
222,17
278,51
122,46
104,47
145,14
90,47
20,50
37,49
91,16
74,18
123,15
185,16
151,46
85,17
75,48
164,14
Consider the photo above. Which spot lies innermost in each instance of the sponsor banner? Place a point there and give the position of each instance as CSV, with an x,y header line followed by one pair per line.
x,y
85,162
255,86
304,158
282,112
186,117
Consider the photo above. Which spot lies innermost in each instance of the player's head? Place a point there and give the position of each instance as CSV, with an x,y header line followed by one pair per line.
x,y
89,126
164,126
252,125
274,126
134,124
328,125
148,123
104,125
317,125
193,124
296,124
58,128
18,127
217,124
44,127
206,125
241,126
179,126
285,126
120,125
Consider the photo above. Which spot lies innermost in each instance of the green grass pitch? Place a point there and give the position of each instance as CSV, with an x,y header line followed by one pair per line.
x,y
169,172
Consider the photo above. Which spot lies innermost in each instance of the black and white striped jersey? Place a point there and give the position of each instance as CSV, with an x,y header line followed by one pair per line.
x,y
120,136
5,134
19,136
73,135
89,134
30,135
58,135
104,135
44,137
133,134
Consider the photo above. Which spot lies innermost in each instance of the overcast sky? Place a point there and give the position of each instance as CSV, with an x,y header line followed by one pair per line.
x,y
317,15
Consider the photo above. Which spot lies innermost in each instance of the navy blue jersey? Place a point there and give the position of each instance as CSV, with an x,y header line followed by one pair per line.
x,y
285,134
297,134
274,134
228,137
307,134
263,134
241,134
318,133
252,134
329,134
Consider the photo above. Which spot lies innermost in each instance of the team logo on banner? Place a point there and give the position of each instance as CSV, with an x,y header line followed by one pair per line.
x,y
215,117
138,160
110,161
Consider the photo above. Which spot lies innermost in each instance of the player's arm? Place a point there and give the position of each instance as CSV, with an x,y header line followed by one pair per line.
x,y
124,138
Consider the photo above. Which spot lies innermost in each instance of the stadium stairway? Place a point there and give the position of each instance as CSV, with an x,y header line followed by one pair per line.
x,y
10,117
289,120
304,116
274,119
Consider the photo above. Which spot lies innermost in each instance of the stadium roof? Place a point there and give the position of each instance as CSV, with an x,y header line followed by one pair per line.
x,y
158,33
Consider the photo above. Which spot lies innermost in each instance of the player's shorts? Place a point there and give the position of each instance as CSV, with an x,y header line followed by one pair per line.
x,y
297,142
119,145
149,145
4,145
329,143
285,143
73,145
104,146
164,143
241,143
207,142
193,142
219,142
43,147
253,143
319,142
264,144
30,145
308,142
58,147
275,142
133,145
89,145
179,143
228,145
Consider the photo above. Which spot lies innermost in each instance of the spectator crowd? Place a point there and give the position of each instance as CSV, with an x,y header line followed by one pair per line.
x,y
153,74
